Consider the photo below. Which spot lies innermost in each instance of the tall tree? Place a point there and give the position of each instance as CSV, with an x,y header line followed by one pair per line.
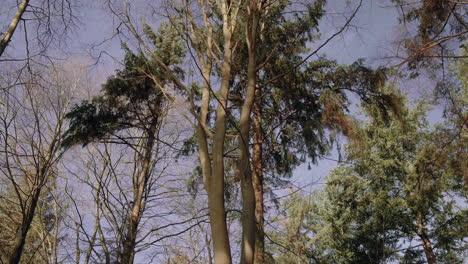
x,y
12,26
44,240
218,44
391,200
296,101
132,99
218,20
33,123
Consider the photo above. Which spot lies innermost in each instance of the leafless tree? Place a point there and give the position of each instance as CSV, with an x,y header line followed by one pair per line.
x,y
129,180
42,21
32,121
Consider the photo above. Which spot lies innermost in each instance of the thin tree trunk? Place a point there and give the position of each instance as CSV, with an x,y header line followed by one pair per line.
x,y
248,194
213,172
22,232
223,250
139,190
29,211
56,229
77,246
219,232
214,183
257,180
92,241
12,27
426,242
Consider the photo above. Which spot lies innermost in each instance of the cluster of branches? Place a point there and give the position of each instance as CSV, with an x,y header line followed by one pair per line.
x,y
229,88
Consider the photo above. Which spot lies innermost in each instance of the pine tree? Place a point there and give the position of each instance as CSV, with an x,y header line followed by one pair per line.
x,y
394,201
132,99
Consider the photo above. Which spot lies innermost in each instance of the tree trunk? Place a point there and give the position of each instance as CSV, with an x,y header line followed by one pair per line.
x,y
258,182
248,194
22,232
12,27
129,242
213,172
219,232
213,167
426,242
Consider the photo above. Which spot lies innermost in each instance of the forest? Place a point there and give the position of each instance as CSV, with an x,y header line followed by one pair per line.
x,y
233,131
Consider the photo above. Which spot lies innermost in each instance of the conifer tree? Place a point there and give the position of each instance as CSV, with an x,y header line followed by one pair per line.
x,y
132,99
398,196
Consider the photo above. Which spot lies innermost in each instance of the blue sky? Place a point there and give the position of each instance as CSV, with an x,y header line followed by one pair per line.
x,y
370,36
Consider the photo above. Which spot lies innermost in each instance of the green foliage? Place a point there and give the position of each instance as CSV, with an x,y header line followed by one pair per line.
x,y
302,106
169,47
409,170
294,243
301,101
366,222
132,98
399,169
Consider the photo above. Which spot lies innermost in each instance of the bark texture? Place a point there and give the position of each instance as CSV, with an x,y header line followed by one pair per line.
x,y
257,180
249,223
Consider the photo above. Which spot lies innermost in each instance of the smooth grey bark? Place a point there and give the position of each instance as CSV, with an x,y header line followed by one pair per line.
x,y
213,166
219,231
210,144
213,174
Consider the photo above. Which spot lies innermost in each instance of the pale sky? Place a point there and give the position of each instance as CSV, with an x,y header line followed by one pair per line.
x,y
371,36
373,28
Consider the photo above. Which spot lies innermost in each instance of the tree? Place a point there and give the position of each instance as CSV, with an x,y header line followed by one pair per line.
x,y
12,27
45,236
132,99
433,28
293,238
32,120
49,18
432,41
395,192
296,102
211,32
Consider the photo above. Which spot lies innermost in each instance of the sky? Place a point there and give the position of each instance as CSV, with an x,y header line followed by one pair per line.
x,y
370,36
95,44
372,30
